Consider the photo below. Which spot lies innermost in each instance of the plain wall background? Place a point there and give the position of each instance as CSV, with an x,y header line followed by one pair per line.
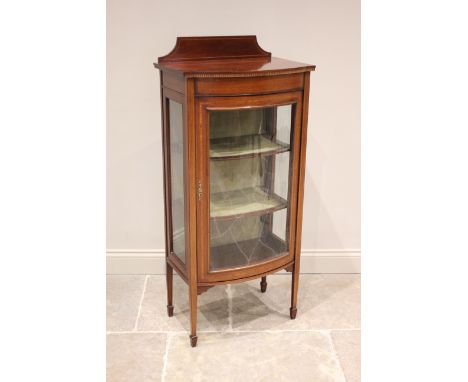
x,y
323,33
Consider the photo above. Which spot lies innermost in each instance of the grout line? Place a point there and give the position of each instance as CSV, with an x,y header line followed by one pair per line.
x,y
324,331
135,328
166,353
334,353
229,293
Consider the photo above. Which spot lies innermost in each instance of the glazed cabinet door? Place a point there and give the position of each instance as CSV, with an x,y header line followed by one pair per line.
x,y
247,179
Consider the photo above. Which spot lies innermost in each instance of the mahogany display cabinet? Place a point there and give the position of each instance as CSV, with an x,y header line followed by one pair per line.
x,y
234,133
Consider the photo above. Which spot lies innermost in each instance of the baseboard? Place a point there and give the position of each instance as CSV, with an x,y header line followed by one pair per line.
x,y
137,262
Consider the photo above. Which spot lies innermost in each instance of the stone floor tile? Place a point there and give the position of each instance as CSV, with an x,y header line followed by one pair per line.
x,y
324,302
213,307
348,348
254,356
123,300
135,357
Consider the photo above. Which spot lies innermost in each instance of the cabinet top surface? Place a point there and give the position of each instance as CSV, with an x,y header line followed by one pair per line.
x,y
225,56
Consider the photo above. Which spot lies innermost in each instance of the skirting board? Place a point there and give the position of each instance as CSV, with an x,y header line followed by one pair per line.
x,y
138,262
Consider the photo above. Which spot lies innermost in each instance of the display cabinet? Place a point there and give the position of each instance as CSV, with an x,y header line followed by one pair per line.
x,y
234,132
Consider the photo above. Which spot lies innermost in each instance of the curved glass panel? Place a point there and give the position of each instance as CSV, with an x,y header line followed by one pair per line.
x,y
249,185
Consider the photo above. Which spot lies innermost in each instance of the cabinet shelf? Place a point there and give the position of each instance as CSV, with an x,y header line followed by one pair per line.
x,y
244,146
247,252
247,201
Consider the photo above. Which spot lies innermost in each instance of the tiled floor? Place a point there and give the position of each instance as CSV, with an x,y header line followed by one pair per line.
x,y
243,335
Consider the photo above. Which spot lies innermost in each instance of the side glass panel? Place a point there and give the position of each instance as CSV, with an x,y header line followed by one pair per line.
x,y
176,140
249,185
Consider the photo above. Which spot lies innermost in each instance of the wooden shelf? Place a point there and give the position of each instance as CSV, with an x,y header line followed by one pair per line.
x,y
246,253
244,146
247,201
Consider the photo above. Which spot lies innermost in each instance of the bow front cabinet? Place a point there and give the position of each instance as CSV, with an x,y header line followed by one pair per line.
x,y
234,132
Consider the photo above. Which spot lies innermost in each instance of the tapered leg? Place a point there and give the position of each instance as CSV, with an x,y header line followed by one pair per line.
x,y
294,289
263,284
169,283
193,316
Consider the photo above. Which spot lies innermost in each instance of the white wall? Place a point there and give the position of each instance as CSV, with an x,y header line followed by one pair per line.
x,y
323,33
